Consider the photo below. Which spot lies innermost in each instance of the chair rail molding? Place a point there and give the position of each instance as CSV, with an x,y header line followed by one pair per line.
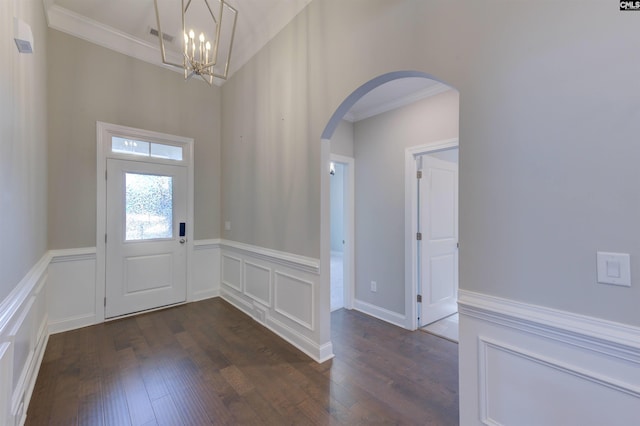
x,y
521,361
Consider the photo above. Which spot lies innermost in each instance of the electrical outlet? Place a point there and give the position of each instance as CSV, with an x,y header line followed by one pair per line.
x,y
374,286
227,226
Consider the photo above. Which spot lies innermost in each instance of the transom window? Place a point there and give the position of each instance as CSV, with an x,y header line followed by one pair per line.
x,y
145,149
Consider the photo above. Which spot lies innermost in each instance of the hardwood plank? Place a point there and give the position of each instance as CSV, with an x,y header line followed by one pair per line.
x,y
207,363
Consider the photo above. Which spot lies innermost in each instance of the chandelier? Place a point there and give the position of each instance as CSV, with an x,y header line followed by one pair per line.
x,y
206,35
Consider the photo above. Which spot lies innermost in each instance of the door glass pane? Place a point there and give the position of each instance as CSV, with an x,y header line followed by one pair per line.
x,y
149,207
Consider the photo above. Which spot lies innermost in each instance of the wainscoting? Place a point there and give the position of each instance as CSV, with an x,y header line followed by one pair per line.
x,y
528,365
279,290
23,338
519,363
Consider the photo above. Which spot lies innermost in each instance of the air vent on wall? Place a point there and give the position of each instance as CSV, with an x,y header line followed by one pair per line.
x,y
166,37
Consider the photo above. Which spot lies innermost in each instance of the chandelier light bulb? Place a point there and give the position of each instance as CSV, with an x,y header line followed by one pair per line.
x,y
200,56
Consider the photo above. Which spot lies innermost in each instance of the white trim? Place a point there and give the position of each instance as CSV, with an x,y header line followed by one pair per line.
x,y
23,318
236,287
380,313
597,335
507,344
290,260
80,26
104,131
302,322
204,294
319,353
72,255
6,362
410,224
419,95
267,302
349,272
72,323
69,22
207,244
16,299
323,289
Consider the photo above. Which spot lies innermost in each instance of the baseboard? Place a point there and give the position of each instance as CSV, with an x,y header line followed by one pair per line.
x,y
529,364
207,294
319,353
380,313
33,376
72,323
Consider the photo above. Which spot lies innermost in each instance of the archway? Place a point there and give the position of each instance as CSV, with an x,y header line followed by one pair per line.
x,y
327,135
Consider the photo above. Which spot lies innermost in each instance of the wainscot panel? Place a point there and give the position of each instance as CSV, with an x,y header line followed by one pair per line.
x,y
72,289
23,338
530,365
205,281
232,272
257,282
278,290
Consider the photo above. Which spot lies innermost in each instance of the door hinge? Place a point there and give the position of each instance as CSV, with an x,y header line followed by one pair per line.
x,y
457,245
105,175
419,236
105,302
419,174
419,298
105,238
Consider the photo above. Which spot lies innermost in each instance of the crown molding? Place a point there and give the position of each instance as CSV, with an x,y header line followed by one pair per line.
x,y
69,22
397,103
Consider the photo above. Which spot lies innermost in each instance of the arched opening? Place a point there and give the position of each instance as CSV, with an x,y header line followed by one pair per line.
x,y
403,309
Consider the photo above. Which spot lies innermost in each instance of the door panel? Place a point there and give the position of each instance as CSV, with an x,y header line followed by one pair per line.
x,y
438,216
146,258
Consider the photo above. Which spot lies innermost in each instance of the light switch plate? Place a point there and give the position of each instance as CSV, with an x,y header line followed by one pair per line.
x,y
614,268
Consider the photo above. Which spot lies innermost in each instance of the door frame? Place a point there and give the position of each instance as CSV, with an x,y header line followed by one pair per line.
x,y
349,228
411,224
104,132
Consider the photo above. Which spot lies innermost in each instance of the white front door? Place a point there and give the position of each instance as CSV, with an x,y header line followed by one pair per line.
x,y
145,252
438,218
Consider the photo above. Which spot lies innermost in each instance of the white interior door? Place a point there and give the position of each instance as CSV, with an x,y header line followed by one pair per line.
x,y
438,218
145,254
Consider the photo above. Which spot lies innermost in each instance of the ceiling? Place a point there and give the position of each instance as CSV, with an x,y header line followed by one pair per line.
x,y
124,26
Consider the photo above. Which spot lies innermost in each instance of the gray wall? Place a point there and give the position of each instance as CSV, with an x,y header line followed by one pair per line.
x,y
88,83
380,143
548,128
23,145
342,139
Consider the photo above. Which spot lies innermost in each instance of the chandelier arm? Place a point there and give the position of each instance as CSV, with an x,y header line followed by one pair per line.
x,y
233,35
206,2
190,65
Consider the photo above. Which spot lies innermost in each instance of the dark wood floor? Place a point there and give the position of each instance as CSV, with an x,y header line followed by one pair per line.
x,y
207,363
